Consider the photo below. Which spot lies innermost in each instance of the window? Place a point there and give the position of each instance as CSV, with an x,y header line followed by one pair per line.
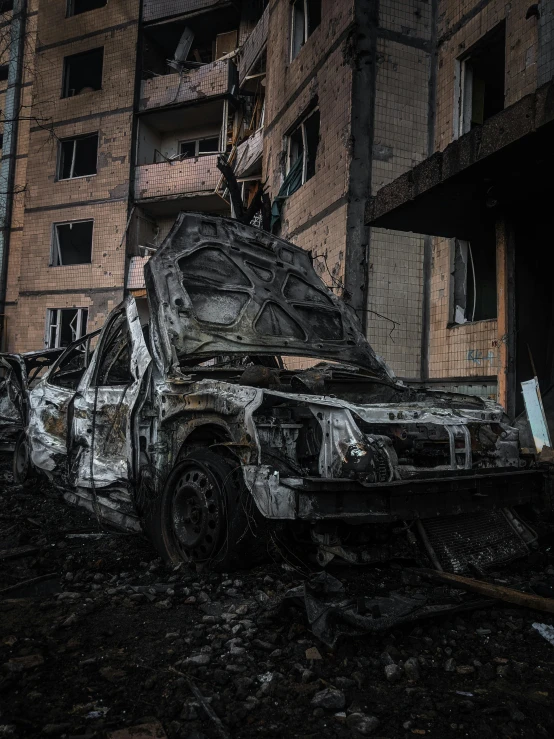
x,y
306,17
76,7
474,279
82,72
114,366
199,146
480,86
6,5
64,326
4,71
71,243
70,367
78,157
302,145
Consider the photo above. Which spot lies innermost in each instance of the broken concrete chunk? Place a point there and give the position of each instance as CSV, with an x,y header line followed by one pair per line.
x,y
361,723
330,699
393,673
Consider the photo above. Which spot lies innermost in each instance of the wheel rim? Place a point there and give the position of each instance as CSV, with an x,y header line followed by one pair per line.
x,y
196,515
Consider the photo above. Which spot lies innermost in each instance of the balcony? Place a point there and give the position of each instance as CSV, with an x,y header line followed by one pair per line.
x,y
209,80
253,48
190,184
154,10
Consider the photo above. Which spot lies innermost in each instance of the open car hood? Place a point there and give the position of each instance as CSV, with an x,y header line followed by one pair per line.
x,y
218,287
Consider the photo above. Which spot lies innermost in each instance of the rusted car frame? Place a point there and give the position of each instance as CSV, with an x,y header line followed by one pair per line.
x,y
189,421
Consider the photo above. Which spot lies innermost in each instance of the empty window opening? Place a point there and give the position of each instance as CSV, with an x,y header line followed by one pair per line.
x,y
64,326
198,147
78,157
6,5
306,17
72,243
481,81
1,140
474,280
174,46
4,71
114,367
76,7
83,72
302,147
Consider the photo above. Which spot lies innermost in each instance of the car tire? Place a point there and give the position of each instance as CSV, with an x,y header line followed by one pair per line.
x,y
206,516
22,467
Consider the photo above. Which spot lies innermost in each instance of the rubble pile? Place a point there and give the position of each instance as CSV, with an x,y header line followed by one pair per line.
x,y
99,638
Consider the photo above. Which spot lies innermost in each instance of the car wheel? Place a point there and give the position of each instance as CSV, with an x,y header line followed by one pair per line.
x,y
22,466
205,515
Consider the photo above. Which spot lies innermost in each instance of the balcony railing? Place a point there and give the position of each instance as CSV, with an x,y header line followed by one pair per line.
x,y
194,85
253,46
154,10
193,176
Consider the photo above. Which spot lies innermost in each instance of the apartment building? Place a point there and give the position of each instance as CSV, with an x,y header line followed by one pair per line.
x,y
125,107
483,198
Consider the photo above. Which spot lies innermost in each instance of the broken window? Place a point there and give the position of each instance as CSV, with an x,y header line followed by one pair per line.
x,y
71,366
302,147
78,157
64,326
306,17
114,366
76,7
199,146
83,72
474,279
480,91
71,243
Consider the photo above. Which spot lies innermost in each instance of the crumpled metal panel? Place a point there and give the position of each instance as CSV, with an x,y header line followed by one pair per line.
x,y
217,287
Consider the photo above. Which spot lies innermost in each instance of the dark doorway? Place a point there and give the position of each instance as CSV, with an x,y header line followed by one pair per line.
x,y
534,299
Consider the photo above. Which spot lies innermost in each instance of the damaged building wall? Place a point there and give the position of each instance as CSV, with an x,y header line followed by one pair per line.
x,y
400,140
474,349
95,186
372,91
313,217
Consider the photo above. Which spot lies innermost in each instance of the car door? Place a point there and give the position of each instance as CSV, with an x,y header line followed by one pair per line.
x,y
102,434
12,399
49,405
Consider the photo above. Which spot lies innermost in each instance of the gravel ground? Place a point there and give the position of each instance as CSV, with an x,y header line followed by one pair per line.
x,y
110,638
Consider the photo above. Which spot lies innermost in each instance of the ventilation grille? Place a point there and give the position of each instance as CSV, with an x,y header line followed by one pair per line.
x,y
483,539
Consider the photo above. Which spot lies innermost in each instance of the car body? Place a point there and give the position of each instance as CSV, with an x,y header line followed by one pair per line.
x,y
18,373
190,421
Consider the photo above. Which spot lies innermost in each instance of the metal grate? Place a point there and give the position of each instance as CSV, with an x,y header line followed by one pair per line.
x,y
483,539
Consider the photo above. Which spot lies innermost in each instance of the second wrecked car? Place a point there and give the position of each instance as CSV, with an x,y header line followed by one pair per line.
x,y
188,419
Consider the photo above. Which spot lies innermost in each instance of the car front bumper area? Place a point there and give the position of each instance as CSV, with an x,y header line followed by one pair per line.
x,y
316,499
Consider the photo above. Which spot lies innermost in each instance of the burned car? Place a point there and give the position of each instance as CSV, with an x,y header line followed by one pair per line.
x,y
18,373
189,421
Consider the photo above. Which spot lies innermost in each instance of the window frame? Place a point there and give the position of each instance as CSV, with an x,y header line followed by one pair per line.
x,y
66,70
70,9
59,178
306,33
464,76
121,316
302,126
196,143
57,325
56,243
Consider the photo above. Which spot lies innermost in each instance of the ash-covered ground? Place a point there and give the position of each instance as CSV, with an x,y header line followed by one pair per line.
x,y
107,638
